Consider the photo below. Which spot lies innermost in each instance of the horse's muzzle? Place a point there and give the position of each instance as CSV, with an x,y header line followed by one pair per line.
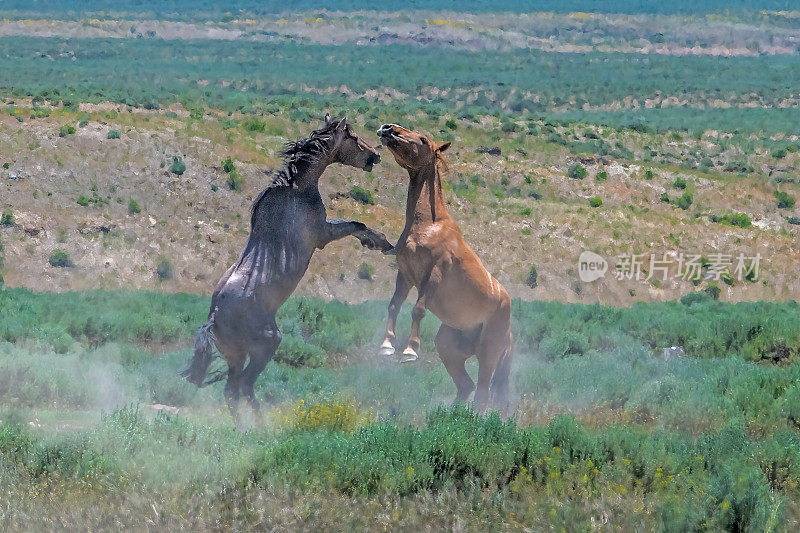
x,y
372,160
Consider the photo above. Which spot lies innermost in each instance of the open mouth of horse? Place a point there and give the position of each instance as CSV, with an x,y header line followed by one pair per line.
x,y
371,162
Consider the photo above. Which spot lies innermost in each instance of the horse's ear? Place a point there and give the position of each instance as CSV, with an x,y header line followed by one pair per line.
x,y
327,118
443,147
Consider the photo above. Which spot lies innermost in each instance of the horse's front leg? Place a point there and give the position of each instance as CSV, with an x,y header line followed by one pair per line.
x,y
401,289
337,229
426,290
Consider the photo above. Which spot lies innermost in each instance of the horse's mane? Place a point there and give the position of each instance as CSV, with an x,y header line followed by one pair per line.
x,y
442,163
310,149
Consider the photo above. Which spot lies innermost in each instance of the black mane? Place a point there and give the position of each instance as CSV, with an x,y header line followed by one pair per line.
x,y
309,150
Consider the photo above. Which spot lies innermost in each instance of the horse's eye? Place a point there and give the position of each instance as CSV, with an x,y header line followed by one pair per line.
x,y
424,140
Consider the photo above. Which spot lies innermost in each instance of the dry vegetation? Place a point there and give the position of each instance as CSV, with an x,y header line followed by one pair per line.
x,y
518,209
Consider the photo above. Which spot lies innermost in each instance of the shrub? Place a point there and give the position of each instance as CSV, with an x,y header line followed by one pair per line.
x,y
133,207
779,153
601,176
531,278
595,201
706,164
785,200
178,166
793,220
564,343
164,269
362,195
679,183
227,165
577,171
59,258
295,351
328,415
83,201
648,174
63,131
235,181
695,297
664,198
713,291
525,212
508,126
684,201
451,124
365,271
7,219
740,220
253,124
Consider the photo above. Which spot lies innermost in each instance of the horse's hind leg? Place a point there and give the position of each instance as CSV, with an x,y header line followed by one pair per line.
x,y
494,345
233,384
261,351
234,354
450,344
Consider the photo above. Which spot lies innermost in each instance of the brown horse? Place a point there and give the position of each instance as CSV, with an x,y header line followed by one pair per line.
x,y
287,223
451,281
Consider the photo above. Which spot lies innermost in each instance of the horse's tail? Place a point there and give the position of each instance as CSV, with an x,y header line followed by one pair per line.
x,y
196,369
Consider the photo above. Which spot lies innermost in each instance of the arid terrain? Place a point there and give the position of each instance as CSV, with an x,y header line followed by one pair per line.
x,y
518,209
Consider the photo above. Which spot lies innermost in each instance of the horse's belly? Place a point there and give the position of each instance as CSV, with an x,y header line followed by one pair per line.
x,y
461,303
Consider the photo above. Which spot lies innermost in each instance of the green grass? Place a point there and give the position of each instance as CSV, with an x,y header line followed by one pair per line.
x,y
603,422
706,328
693,442
183,10
152,72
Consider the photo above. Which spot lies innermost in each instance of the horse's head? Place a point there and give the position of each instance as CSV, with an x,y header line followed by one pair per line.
x,y
411,150
347,148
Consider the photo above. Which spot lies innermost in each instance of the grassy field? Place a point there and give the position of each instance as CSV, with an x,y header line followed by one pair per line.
x,y
97,427
661,129
303,79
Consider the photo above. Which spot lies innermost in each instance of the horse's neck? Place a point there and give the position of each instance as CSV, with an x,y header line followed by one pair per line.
x,y
308,174
305,183
425,198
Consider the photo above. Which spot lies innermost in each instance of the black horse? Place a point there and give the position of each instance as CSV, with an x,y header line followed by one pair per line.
x,y
288,222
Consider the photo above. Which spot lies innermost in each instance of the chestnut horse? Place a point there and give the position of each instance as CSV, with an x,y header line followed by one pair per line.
x,y
451,281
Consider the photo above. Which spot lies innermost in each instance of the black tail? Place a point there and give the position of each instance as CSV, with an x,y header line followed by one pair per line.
x,y
197,368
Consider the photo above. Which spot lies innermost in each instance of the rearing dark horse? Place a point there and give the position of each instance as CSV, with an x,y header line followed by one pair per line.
x,y
287,223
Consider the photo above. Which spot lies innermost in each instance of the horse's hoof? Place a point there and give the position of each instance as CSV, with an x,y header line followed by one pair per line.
x,y
386,348
408,356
